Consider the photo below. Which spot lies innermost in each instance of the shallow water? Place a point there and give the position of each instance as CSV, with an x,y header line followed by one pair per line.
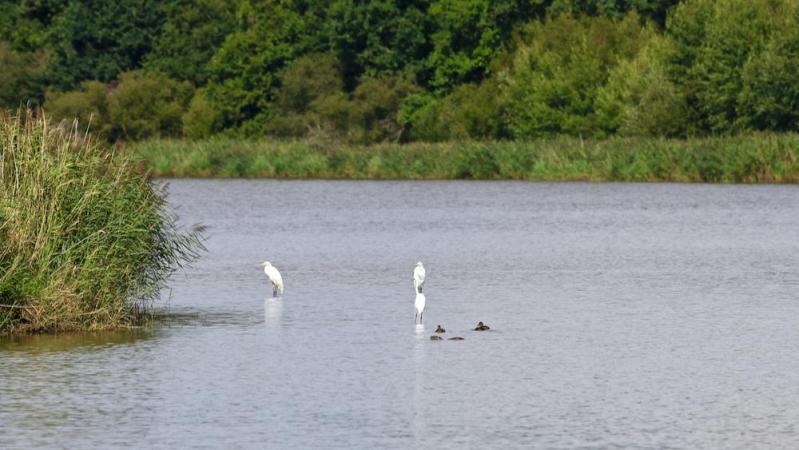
x,y
622,315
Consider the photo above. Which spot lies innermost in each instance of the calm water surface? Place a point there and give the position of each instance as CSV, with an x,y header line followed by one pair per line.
x,y
622,315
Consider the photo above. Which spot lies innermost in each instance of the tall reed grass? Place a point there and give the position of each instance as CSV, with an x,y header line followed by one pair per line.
x,y
85,240
752,158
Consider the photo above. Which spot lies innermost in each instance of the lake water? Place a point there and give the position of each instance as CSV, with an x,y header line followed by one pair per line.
x,y
622,315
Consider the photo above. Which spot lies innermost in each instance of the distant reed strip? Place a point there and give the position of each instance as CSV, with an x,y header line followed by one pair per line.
x,y
85,240
753,158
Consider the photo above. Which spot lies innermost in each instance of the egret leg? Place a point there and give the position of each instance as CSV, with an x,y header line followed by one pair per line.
x,y
274,291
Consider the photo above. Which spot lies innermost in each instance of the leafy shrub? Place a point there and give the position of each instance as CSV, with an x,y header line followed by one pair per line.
x,y
306,79
97,40
734,60
141,105
376,106
243,73
735,31
639,99
471,111
552,83
23,32
21,76
193,30
308,86
375,38
311,103
769,99
200,119
470,34
147,105
89,105
419,114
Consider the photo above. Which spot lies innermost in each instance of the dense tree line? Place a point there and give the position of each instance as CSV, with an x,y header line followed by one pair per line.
x,y
399,70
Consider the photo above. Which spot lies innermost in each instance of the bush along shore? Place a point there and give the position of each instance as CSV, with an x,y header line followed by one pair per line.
x,y
85,241
753,158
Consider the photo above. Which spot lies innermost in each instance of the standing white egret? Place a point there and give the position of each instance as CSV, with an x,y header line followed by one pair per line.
x,y
274,277
418,277
418,304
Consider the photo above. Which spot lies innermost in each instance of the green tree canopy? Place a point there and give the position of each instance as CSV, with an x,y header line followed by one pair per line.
x,y
192,33
98,39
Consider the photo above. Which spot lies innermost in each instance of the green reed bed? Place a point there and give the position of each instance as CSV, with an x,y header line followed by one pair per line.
x,y
85,241
754,158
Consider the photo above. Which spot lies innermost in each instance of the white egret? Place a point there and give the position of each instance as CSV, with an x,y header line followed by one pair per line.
x,y
418,277
418,304
274,277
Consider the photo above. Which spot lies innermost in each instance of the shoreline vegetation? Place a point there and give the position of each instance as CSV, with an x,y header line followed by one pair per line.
x,y
378,72
751,158
85,240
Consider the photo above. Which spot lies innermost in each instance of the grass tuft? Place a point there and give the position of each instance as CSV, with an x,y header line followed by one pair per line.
x,y
85,240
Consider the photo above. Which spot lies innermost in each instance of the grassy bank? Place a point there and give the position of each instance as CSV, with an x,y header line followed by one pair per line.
x,y
85,242
755,158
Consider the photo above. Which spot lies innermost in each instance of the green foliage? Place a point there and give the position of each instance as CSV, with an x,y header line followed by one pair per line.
x,y
88,105
192,32
85,242
97,39
379,37
309,87
17,27
200,119
139,105
737,29
553,81
148,105
21,76
640,100
376,108
656,10
244,70
449,69
769,99
470,34
312,102
307,79
733,60
470,112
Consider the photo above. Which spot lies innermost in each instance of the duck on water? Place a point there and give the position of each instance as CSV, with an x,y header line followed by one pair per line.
x,y
482,327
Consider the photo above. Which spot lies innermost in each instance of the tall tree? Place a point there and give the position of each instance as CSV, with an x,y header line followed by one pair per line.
x,y
379,37
97,39
244,72
470,34
192,32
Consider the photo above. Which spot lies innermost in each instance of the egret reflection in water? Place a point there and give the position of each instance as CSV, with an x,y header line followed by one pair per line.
x,y
273,310
419,305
